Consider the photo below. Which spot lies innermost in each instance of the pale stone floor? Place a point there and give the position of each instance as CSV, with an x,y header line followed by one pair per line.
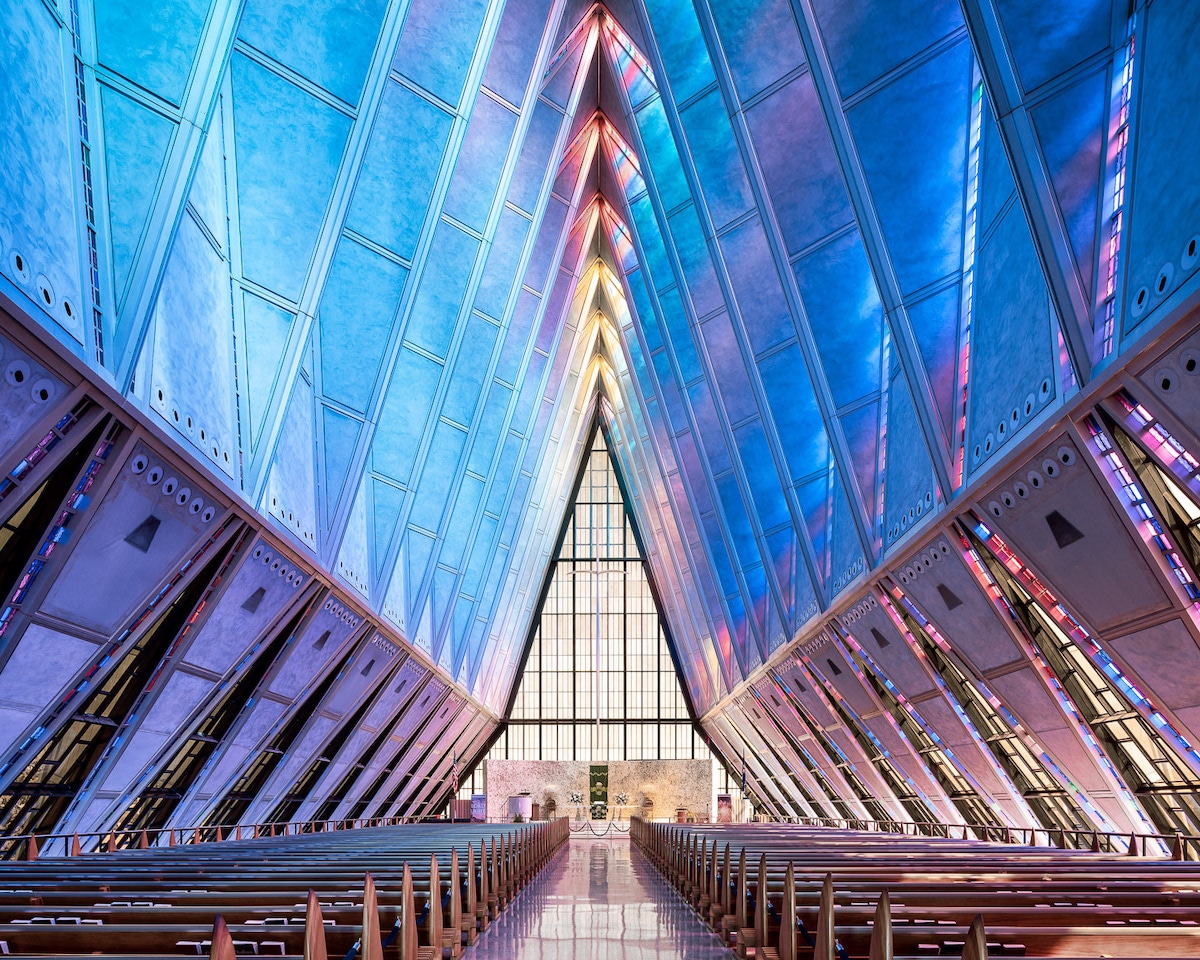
x,y
598,899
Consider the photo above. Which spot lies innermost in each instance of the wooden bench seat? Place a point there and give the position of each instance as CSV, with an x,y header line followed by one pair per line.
x,y
311,895
917,896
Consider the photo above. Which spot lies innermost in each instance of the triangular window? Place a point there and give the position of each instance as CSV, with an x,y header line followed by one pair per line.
x,y
642,711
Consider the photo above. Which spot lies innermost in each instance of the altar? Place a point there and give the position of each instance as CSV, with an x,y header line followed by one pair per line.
x,y
604,790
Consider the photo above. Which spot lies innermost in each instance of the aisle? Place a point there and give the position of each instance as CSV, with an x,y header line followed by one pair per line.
x,y
598,900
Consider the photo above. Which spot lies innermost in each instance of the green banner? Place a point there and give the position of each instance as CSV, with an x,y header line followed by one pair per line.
x,y
598,782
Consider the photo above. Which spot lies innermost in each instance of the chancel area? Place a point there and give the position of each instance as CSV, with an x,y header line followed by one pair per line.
x,y
529,479
599,726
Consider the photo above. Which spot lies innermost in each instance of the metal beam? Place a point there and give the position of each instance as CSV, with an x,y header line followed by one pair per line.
x,y
873,243
1051,239
146,272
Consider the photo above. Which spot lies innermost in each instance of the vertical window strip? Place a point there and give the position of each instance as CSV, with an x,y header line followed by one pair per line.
x,y
1033,756
881,467
1138,506
970,244
1118,150
89,205
1163,446
1066,370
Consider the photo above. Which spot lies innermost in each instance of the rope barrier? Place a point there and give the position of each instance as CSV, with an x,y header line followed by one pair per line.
x,y
610,827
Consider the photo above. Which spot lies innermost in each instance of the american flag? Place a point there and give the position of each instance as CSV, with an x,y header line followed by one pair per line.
x,y
454,774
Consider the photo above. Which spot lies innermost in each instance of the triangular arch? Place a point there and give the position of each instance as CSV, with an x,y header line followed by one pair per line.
x,y
598,679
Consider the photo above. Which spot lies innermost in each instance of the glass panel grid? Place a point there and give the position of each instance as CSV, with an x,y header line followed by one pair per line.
x,y
599,683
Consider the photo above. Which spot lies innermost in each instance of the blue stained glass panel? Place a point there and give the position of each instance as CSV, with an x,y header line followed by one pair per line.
x,y
662,155
681,46
840,297
759,467
434,312
794,412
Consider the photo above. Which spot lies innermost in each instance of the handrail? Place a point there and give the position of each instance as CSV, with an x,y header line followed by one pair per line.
x,y
1178,846
108,841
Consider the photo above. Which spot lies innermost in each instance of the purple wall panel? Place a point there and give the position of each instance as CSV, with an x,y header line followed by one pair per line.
x,y
366,669
246,738
109,574
896,658
757,286
843,679
319,642
439,759
293,766
1169,381
875,719
1071,755
429,731
941,717
39,671
28,391
786,717
369,666
469,740
810,699
939,582
263,583
173,706
514,48
1079,554
165,720
389,702
406,725
1026,695
1165,663
760,40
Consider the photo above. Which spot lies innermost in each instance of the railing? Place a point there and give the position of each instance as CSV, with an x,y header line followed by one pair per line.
x,y
599,828
1177,846
32,846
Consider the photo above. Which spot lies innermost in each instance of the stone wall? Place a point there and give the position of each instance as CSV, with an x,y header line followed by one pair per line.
x,y
669,783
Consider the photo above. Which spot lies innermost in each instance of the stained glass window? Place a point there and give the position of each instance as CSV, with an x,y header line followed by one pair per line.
x,y
599,682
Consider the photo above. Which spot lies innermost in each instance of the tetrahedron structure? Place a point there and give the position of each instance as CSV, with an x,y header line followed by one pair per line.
x,y
885,312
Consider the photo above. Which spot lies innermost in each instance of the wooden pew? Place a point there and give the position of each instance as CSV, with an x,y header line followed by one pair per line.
x,y
295,896
1036,901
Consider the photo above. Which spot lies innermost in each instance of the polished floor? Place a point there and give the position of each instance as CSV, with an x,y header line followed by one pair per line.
x,y
599,899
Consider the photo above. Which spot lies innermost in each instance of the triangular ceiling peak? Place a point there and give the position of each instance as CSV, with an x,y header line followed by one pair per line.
x,y
718,230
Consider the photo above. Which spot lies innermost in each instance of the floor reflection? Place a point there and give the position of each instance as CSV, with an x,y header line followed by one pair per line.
x,y
598,899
